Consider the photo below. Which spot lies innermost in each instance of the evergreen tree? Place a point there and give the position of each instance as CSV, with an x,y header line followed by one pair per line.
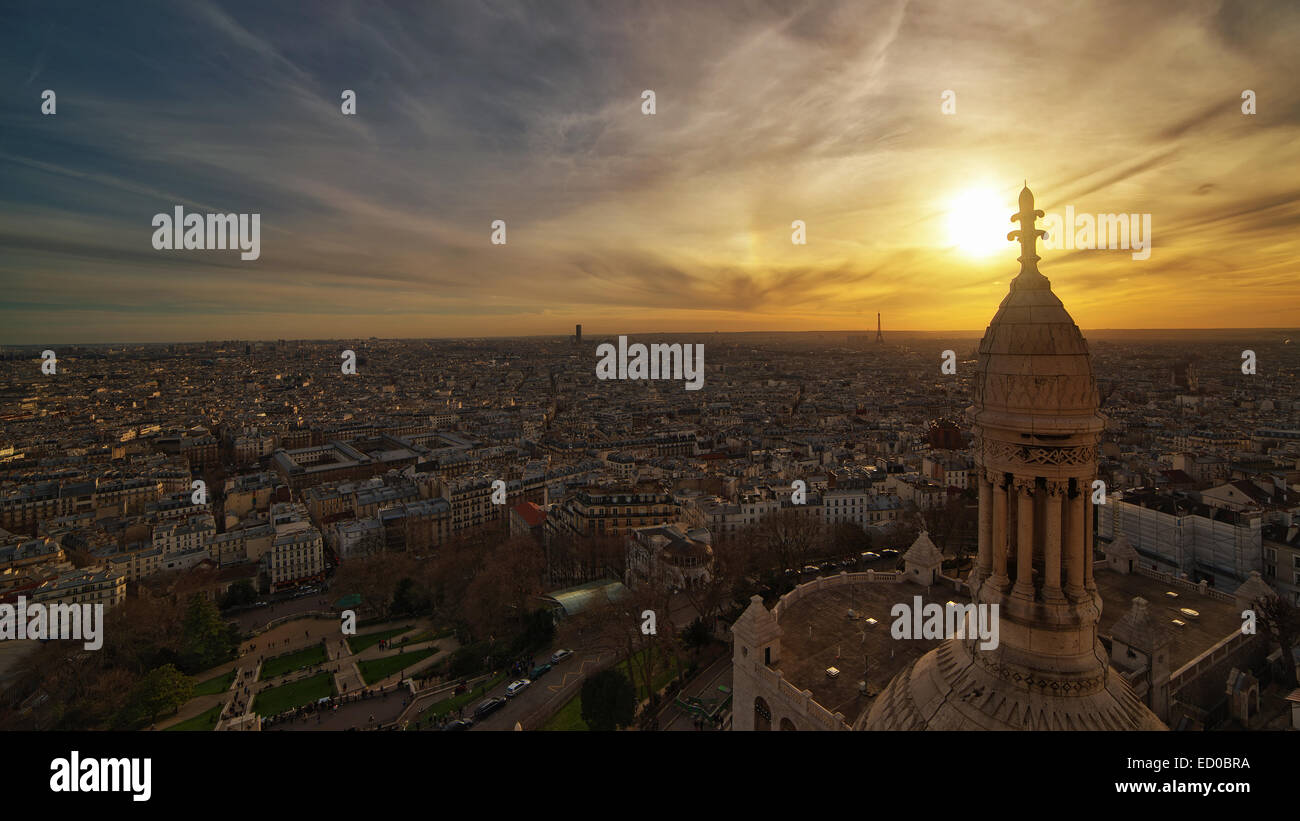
x,y
608,700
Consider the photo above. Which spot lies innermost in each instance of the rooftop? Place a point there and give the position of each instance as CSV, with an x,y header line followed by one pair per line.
x,y
817,633
1215,618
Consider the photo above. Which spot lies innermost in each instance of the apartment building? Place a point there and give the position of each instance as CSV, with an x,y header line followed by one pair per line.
x,y
1175,533
89,585
612,510
192,533
295,558
670,555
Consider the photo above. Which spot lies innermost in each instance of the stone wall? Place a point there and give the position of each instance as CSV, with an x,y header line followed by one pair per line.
x,y
753,680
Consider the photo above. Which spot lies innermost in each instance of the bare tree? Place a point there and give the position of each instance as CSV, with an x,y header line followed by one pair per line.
x,y
730,564
790,536
649,651
1281,620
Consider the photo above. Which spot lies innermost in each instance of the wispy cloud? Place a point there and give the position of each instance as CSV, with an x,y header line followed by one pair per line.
x,y
824,111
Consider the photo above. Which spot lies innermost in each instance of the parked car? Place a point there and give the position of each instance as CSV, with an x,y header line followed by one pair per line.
x,y
539,671
560,655
488,706
889,551
517,687
869,556
458,724
811,568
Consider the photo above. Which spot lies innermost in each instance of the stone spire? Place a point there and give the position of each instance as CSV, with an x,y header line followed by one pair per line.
x,y
1028,235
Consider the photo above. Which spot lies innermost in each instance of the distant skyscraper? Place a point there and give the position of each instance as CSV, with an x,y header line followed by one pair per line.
x,y
879,336
577,335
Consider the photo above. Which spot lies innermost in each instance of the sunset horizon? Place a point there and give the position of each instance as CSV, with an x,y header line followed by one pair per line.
x,y
894,157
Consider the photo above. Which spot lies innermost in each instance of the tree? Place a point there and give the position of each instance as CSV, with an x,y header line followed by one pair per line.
x,y
160,692
538,632
206,640
952,525
409,599
647,653
789,536
848,538
608,700
240,593
696,635
508,581
1281,620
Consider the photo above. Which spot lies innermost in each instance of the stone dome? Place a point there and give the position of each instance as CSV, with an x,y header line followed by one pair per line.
x,y
1034,371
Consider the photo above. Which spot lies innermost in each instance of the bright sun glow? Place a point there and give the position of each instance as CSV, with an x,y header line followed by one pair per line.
x,y
978,222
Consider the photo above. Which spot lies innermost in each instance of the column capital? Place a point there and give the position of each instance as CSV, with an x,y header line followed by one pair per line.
x,y
1024,485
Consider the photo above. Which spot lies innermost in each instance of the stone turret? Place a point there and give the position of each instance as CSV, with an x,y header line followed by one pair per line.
x,y
923,561
1036,430
756,641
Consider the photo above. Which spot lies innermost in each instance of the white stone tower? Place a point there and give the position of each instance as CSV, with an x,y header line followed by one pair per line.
x,y
1036,430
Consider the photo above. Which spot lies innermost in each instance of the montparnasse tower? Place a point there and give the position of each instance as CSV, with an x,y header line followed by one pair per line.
x,y
1036,431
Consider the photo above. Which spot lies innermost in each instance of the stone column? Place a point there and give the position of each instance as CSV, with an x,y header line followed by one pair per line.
x,y
1052,543
1074,508
1088,511
1000,579
984,564
1024,587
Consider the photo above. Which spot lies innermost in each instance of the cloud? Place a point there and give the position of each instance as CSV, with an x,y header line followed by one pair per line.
x,y
822,111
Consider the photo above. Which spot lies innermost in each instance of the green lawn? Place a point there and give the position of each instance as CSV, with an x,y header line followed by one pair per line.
x,y
215,685
665,672
358,643
290,662
429,635
201,722
569,717
451,705
295,694
373,670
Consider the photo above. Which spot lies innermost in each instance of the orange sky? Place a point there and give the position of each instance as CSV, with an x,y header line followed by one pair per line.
x,y
379,224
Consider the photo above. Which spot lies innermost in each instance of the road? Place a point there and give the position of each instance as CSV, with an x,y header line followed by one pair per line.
x,y
705,685
543,697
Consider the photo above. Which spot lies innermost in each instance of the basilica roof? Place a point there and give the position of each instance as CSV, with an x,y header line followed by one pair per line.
x,y
1034,372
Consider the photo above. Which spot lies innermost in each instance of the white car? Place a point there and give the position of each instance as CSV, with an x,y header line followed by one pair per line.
x,y
517,687
560,655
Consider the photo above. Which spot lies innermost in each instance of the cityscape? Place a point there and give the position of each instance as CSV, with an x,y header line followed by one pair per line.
x,y
626,369
261,479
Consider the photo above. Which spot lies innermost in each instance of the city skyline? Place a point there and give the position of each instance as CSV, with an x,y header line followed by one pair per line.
x,y
379,223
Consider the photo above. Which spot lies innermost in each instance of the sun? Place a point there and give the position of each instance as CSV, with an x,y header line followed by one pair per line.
x,y
978,222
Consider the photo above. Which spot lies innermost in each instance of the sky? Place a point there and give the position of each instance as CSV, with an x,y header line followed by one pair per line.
x,y
380,224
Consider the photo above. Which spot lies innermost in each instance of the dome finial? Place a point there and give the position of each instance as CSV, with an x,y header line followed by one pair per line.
x,y
1028,234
